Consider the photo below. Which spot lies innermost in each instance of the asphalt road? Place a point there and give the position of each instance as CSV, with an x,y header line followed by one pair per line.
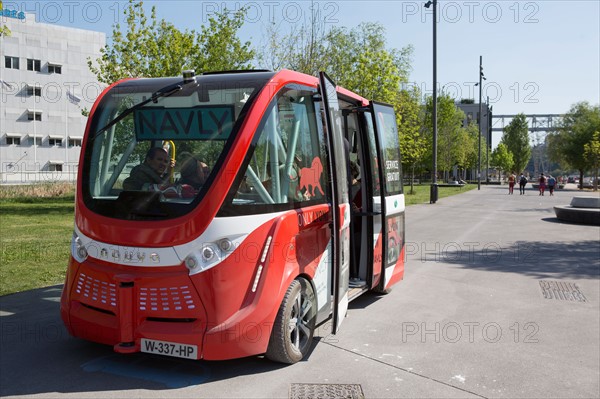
x,y
476,316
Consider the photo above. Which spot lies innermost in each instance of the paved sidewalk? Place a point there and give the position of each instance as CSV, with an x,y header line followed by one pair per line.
x,y
482,312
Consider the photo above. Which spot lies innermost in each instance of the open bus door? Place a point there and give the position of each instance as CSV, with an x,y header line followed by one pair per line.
x,y
340,201
391,200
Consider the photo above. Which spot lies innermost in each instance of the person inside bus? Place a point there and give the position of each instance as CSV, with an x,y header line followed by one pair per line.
x,y
353,171
194,172
355,193
154,170
356,223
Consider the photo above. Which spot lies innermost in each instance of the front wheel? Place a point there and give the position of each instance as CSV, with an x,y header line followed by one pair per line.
x,y
294,325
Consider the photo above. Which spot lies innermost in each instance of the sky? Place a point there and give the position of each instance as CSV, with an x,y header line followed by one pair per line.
x,y
539,57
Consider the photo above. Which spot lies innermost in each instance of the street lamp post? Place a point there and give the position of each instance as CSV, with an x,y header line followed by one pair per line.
x,y
479,123
488,143
433,192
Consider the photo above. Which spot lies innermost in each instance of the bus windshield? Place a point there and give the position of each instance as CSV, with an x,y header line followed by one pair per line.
x,y
154,143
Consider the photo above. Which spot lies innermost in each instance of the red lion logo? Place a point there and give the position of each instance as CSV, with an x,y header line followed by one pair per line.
x,y
310,178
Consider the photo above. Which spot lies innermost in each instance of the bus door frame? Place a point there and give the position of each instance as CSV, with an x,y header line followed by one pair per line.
x,y
371,174
340,206
389,207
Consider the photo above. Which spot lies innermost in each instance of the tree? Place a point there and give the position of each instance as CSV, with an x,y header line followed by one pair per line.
x,y
357,59
591,151
449,121
502,158
219,47
302,49
152,48
567,143
516,140
413,143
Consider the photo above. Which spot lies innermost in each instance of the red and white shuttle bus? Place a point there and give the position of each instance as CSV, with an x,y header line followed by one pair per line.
x,y
300,210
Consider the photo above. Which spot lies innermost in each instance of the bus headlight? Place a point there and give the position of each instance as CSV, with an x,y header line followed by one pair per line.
x,y
203,258
208,254
225,245
191,262
78,250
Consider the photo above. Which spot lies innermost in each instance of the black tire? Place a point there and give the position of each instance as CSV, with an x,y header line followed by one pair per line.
x,y
294,327
379,291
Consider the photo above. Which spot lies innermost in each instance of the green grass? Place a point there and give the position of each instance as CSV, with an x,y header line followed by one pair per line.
x,y
35,234
35,241
421,193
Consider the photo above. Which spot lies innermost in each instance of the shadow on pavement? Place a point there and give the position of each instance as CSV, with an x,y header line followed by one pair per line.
x,y
365,300
538,259
39,356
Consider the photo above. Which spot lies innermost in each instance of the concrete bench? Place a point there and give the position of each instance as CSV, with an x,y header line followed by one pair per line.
x,y
585,202
455,184
585,210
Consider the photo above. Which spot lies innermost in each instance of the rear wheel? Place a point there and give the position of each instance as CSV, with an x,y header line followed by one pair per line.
x,y
294,325
380,291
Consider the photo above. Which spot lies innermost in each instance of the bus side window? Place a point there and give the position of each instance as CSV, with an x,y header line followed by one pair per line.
x,y
286,166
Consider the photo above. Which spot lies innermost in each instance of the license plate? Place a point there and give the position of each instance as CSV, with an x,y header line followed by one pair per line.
x,y
169,348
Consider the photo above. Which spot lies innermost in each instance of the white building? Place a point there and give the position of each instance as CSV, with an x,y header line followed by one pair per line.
x,y
45,83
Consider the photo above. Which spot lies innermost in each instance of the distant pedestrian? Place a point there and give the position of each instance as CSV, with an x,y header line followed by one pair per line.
x,y
522,183
551,184
542,184
511,182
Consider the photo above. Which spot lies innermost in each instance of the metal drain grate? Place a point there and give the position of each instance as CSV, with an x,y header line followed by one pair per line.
x,y
561,291
326,391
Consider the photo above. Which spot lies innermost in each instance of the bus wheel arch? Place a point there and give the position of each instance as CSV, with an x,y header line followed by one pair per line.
x,y
294,325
